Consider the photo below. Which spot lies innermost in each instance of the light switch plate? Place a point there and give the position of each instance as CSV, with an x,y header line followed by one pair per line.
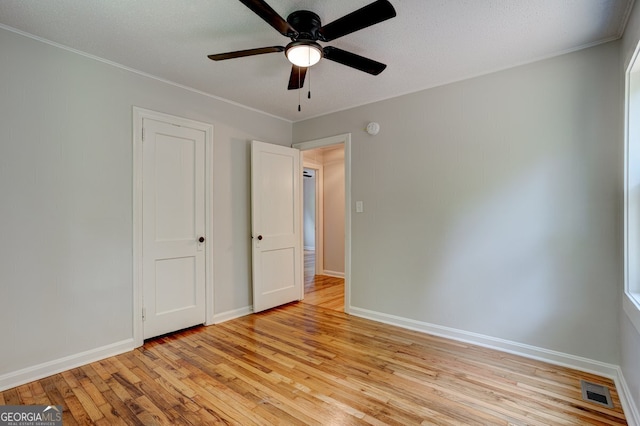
x,y
359,207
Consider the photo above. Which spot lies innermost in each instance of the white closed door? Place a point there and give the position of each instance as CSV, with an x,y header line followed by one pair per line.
x,y
173,229
276,225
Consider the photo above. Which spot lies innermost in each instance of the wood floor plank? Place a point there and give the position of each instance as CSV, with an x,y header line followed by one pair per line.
x,y
85,408
24,393
119,409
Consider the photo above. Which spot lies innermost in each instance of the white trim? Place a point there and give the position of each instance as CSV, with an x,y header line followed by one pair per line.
x,y
632,309
611,371
208,223
319,248
319,143
233,314
336,140
626,399
380,99
46,369
142,73
627,86
528,351
137,228
631,300
319,237
459,79
347,224
138,115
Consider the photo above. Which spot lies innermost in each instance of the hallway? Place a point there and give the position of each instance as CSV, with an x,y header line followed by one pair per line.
x,y
321,290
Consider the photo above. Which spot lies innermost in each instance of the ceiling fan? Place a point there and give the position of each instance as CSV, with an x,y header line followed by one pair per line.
x,y
305,30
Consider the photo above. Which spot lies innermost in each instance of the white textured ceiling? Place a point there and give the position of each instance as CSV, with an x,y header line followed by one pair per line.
x,y
429,43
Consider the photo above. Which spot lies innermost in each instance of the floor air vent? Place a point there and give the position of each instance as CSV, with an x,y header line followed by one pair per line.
x,y
596,393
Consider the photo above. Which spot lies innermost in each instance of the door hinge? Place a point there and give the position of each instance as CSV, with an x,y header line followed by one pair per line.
x,y
144,314
143,134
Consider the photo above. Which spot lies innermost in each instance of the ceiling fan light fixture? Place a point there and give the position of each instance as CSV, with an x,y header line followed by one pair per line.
x,y
303,53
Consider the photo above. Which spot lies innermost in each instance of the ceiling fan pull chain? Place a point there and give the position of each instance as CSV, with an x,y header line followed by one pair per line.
x,y
299,89
309,94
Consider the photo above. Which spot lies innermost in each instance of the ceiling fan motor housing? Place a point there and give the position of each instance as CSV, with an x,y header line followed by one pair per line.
x,y
307,24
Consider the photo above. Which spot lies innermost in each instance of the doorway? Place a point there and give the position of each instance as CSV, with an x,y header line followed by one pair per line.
x,y
326,221
311,219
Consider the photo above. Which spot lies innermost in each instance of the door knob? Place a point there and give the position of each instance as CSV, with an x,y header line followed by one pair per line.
x,y
201,239
259,237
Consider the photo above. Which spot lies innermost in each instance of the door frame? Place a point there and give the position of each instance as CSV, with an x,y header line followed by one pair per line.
x,y
319,214
139,114
335,140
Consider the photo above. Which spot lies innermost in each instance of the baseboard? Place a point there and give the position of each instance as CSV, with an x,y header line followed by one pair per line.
x,y
233,314
333,274
557,358
553,357
626,399
36,372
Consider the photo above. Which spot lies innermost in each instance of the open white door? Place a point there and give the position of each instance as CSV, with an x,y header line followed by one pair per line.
x,y
276,225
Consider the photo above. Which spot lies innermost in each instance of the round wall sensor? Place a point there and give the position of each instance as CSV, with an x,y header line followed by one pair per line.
x,y
373,128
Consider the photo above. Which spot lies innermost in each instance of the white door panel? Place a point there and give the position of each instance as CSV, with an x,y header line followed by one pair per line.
x,y
175,174
277,267
175,284
277,188
173,221
276,225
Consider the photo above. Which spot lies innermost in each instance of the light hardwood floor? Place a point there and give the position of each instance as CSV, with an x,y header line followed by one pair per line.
x,y
307,364
321,290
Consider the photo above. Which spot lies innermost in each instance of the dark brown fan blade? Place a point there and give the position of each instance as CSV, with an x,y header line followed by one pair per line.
x,y
248,52
352,60
373,13
296,80
270,16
